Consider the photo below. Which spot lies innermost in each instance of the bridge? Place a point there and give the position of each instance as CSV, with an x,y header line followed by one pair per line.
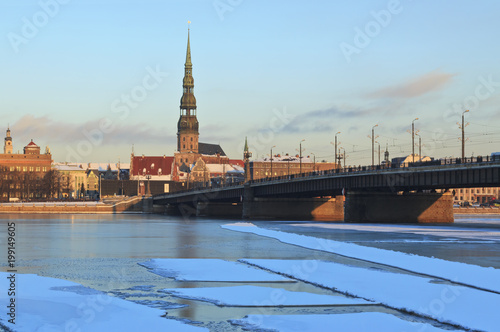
x,y
418,193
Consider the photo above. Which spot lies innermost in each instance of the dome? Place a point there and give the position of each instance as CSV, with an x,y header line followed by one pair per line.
x,y
188,101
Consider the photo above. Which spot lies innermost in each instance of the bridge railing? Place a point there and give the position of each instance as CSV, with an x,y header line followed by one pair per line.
x,y
444,162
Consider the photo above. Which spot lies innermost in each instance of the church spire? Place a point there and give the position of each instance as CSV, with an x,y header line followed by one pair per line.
x,y
187,127
188,52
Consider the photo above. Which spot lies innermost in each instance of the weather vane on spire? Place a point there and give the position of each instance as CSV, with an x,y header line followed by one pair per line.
x,y
189,23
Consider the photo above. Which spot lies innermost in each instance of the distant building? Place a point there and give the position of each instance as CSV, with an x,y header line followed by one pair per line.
x,y
73,181
92,184
285,166
22,174
407,160
476,195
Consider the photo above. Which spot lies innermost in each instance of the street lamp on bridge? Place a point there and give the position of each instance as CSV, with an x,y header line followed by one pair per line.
x,y
413,140
373,143
272,160
342,155
336,146
300,155
419,146
463,134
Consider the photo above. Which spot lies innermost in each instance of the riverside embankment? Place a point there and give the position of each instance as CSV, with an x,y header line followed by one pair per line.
x,y
132,204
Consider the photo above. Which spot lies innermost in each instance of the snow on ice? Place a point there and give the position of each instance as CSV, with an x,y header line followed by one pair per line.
x,y
194,269
359,322
476,276
458,305
260,296
49,304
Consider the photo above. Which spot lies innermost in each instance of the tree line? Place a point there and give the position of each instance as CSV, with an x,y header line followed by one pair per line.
x,y
31,185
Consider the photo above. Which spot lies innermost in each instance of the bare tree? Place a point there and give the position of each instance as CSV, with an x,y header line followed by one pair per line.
x,y
51,184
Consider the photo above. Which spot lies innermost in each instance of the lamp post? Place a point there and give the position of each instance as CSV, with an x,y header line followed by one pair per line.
x,y
342,156
413,140
314,162
147,176
272,160
336,146
378,152
419,147
138,181
463,135
373,144
300,155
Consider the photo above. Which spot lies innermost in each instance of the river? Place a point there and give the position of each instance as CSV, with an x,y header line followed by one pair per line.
x,y
103,252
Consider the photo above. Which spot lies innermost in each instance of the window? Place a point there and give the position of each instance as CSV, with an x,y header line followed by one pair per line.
x,y
184,146
191,139
191,146
184,139
12,168
38,169
45,169
32,168
18,168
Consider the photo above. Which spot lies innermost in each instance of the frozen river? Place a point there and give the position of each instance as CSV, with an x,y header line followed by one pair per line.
x,y
131,257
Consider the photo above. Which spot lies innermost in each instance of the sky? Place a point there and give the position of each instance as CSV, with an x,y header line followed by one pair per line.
x,y
96,80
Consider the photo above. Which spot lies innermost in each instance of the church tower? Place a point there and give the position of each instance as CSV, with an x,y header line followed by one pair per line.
x,y
187,127
7,148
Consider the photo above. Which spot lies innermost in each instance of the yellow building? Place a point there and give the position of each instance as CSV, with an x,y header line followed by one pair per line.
x,y
475,195
73,181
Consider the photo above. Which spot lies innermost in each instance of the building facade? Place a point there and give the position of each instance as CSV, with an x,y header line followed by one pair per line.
x,y
73,181
22,175
475,195
283,166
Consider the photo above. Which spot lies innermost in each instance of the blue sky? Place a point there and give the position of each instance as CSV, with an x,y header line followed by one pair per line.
x,y
275,71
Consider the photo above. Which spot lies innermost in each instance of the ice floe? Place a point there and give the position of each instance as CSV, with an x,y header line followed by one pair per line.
x,y
458,233
458,305
248,295
476,276
360,322
49,304
195,269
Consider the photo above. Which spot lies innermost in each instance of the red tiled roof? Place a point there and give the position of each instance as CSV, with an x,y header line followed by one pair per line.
x,y
151,164
31,144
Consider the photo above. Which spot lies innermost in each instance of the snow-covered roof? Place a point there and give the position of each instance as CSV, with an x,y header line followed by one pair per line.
x,y
409,159
221,168
68,168
101,167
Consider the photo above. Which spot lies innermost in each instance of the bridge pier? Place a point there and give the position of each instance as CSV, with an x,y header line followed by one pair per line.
x,y
219,209
147,205
326,209
383,207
